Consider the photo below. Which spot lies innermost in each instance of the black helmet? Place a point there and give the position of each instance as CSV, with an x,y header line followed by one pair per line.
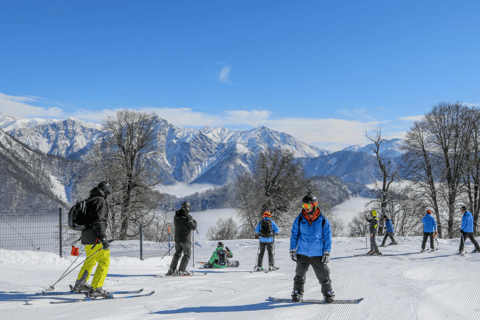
x,y
186,206
105,187
464,208
220,244
310,199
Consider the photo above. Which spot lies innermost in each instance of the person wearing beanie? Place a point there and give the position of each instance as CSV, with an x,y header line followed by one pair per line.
x,y
389,233
467,230
265,229
429,228
372,220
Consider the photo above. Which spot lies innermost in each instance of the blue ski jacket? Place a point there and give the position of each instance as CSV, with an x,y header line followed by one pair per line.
x,y
389,225
467,222
274,228
311,240
429,223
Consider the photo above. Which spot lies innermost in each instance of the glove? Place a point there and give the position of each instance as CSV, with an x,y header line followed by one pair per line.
x,y
227,249
105,243
293,254
326,257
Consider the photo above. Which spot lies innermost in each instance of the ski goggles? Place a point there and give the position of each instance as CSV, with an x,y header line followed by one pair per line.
x,y
309,205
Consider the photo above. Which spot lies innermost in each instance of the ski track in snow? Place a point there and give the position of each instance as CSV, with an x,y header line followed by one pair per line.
x,y
407,285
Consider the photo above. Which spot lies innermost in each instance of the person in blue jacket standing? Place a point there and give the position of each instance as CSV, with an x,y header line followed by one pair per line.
x,y
467,230
389,233
310,244
266,228
429,228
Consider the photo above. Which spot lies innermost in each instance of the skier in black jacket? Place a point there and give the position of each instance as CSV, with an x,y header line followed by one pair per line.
x,y
373,226
184,224
96,244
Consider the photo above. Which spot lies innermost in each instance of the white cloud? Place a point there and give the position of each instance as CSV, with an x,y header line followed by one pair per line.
x,y
472,104
412,118
225,74
18,106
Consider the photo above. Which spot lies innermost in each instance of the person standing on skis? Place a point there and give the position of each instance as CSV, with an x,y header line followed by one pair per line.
x,y
94,238
219,258
389,233
429,228
266,228
310,244
467,230
373,226
184,224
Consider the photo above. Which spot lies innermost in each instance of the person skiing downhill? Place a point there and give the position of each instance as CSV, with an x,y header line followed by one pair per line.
x,y
389,233
184,224
429,228
467,230
310,244
96,244
266,228
219,257
373,225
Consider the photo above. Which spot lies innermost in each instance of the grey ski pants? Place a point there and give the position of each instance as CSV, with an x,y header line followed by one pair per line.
x,y
373,242
269,247
321,271
468,235
179,247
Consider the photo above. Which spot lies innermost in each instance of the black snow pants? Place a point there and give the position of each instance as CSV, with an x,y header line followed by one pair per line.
x,y
179,247
321,271
468,235
388,235
425,237
262,246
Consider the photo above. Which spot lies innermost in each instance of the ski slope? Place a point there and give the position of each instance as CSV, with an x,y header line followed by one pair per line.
x,y
406,285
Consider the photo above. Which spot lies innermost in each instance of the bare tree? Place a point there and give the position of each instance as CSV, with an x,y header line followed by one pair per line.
x,y
388,174
358,226
226,229
277,184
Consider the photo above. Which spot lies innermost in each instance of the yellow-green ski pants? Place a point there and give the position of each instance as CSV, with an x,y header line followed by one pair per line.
x,y
95,255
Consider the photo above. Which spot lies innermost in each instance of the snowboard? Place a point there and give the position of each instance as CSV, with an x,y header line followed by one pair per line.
x,y
368,255
345,301
231,264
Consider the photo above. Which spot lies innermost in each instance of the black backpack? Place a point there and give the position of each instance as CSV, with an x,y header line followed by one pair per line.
x,y
266,228
78,215
222,257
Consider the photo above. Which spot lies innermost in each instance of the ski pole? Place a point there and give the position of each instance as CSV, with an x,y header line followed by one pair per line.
x,y
193,255
167,252
258,256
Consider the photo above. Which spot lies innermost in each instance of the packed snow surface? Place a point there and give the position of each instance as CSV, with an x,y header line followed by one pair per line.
x,y
405,284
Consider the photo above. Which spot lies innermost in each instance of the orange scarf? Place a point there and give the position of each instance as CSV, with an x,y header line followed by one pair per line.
x,y
311,217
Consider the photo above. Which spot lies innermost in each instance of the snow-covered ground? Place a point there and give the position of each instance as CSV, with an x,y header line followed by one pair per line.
x,y
405,285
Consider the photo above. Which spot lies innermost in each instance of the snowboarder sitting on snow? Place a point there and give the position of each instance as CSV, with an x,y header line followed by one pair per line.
x,y
96,244
184,224
310,244
266,228
429,228
219,257
373,225
467,230
389,233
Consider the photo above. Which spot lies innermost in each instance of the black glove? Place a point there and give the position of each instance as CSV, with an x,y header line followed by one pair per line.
x,y
105,243
293,254
227,249
326,257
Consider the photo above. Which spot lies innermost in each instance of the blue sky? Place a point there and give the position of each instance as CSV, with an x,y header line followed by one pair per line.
x,y
323,71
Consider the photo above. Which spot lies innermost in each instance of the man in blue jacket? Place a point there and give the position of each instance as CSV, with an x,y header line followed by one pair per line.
x,y
389,233
266,228
310,244
467,230
429,228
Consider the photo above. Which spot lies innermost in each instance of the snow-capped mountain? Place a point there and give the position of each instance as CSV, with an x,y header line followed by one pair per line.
x,y
388,148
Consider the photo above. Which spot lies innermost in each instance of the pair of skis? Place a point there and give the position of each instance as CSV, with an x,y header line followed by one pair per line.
x,y
128,294
192,274
265,270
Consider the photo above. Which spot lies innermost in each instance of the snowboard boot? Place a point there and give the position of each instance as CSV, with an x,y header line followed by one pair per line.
x,y
99,292
329,297
297,296
170,272
81,287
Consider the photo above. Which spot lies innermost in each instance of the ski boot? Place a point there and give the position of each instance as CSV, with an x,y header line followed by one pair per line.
x,y
170,272
81,287
394,243
184,273
423,250
329,297
297,296
377,253
370,252
475,251
272,268
257,268
99,292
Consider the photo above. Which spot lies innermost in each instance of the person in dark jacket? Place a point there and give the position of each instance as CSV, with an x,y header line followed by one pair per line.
x,y
467,230
310,244
429,228
266,241
373,226
94,238
184,224
390,232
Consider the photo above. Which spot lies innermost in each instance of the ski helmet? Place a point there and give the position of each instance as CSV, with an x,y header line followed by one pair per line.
x,y
464,208
105,187
309,201
186,206
220,244
429,212
267,214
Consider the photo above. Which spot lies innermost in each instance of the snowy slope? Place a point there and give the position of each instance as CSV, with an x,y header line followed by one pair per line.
x,y
407,285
